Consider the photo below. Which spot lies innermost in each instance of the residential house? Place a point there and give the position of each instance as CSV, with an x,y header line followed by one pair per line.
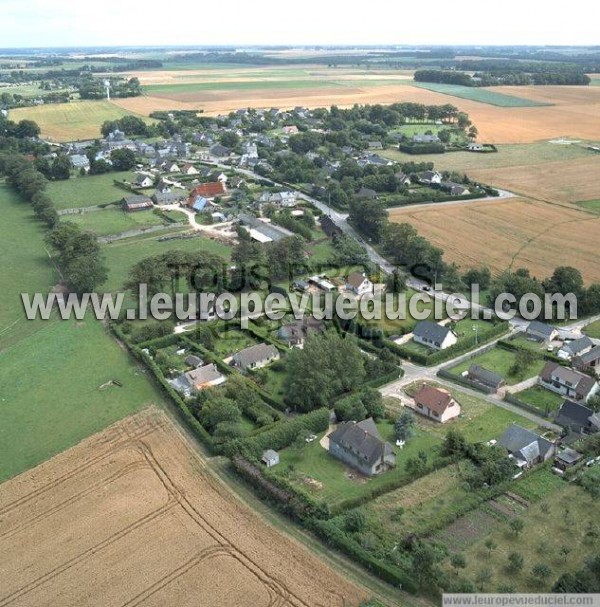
x,y
525,447
540,331
367,194
220,151
286,198
255,357
590,361
403,178
142,181
360,445
198,379
375,145
290,129
358,283
576,418
430,177
484,377
80,161
433,335
270,458
437,404
575,348
295,333
136,203
197,203
454,189
567,382
171,167
189,169
194,361
426,139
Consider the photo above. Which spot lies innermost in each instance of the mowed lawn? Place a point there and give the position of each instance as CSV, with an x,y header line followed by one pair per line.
x,y
87,191
501,361
113,220
540,398
26,266
122,255
479,94
70,121
593,330
51,391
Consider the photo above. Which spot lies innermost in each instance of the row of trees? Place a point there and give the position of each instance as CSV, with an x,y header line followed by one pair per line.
x,y
513,77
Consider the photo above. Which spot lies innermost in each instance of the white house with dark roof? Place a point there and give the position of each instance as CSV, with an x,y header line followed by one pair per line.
x,y
198,379
434,336
360,445
359,283
525,447
567,382
255,357
575,348
540,331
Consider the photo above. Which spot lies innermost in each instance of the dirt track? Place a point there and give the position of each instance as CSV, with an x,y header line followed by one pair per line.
x,y
131,516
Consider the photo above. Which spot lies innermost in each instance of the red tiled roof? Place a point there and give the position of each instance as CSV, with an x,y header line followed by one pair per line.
x,y
434,399
208,190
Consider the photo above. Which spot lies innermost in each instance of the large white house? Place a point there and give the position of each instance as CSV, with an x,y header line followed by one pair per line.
x,y
434,336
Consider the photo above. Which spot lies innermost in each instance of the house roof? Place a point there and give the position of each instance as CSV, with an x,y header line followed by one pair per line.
x,y
535,327
366,193
431,331
255,354
433,398
270,455
582,383
573,414
355,279
209,190
166,197
578,346
568,456
362,439
524,444
194,361
589,357
137,201
484,376
203,375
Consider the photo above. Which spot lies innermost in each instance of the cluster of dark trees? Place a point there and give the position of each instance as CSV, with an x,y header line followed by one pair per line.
x,y
24,129
93,88
515,77
132,126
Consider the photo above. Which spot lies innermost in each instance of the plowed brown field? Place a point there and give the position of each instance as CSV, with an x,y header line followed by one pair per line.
x,y
512,233
131,516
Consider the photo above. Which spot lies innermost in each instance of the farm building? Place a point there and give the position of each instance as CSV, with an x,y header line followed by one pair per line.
x,y
136,203
209,190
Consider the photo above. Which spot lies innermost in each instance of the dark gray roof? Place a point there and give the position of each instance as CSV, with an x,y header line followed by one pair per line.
x,y
167,197
482,375
591,356
194,361
537,328
524,444
574,379
579,345
431,331
573,414
568,456
366,193
362,439
255,354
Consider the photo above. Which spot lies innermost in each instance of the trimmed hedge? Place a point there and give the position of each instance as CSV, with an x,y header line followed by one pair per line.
x,y
280,436
334,536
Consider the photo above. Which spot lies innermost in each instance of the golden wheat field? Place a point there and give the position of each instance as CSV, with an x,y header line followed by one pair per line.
x,y
511,233
131,516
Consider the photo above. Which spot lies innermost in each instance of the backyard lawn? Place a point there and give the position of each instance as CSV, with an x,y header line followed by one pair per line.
x,y
113,220
314,470
541,399
501,361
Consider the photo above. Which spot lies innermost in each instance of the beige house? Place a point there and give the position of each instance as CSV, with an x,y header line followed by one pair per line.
x,y
437,404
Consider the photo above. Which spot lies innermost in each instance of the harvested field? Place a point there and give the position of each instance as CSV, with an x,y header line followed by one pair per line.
x,y
511,233
131,516
568,181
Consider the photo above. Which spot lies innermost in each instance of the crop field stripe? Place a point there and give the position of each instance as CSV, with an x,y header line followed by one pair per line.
x,y
480,95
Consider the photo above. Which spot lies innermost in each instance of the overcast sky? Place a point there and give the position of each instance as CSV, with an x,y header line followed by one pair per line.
x,y
28,23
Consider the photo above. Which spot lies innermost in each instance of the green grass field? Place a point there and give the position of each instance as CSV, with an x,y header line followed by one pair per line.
x,y
114,220
26,267
70,121
540,398
332,480
479,94
590,205
51,396
241,85
87,191
593,330
123,254
501,361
